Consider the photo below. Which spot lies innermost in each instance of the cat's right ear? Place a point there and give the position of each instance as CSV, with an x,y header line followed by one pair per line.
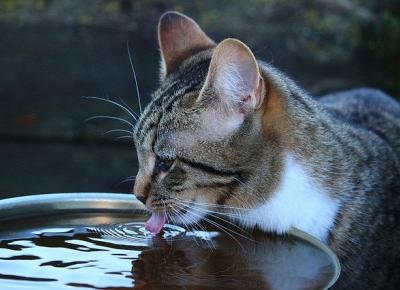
x,y
179,37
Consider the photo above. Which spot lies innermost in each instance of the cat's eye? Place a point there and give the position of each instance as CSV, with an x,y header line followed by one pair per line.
x,y
163,165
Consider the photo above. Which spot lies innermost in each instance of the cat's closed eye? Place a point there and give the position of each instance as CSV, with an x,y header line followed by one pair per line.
x,y
163,164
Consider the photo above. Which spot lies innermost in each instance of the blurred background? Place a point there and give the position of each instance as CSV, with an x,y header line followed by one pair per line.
x,y
54,52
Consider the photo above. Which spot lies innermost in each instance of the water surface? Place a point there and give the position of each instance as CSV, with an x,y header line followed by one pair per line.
x,y
115,252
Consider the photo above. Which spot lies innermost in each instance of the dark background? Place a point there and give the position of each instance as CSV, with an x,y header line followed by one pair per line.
x,y
54,52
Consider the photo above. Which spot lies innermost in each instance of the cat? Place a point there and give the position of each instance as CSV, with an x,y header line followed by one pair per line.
x,y
231,135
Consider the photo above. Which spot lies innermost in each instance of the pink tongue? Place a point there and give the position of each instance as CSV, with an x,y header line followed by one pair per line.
x,y
155,223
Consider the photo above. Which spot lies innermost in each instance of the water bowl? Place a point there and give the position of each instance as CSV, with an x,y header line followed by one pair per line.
x,y
98,241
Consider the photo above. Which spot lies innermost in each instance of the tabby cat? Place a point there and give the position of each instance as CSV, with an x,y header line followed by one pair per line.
x,y
226,133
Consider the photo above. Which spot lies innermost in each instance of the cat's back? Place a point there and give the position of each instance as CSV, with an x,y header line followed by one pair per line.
x,y
368,108
369,120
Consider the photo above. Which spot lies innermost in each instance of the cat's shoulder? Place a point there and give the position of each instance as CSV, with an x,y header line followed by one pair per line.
x,y
361,99
368,111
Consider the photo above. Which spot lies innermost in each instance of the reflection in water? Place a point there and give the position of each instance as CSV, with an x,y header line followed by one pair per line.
x,y
125,256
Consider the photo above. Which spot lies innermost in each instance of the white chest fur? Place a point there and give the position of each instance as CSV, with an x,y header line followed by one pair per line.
x,y
299,202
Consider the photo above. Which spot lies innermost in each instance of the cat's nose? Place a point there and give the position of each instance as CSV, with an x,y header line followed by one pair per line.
x,y
142,186
141,198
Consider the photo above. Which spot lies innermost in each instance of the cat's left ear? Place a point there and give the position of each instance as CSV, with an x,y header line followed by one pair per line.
x,y
234,75
234,84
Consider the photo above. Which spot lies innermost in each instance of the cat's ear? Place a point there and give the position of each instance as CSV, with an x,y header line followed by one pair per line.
x,y
234,75
179,37
235,81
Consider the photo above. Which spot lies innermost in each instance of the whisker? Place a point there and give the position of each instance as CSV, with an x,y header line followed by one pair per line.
x,y
134,75
198,227
253,190
219,226
130,178
212,205
208,242
225,230
230,223
166,212
184,221
128,107
219,206
189,207
192,226
123,137
204,210
110,117
220,213
216,215
118,130
114,103
211,212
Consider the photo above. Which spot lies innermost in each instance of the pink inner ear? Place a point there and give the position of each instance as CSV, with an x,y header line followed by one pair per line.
x,y
179,37
249,73
234,73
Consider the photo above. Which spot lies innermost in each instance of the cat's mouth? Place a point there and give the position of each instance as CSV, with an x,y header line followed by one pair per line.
x,y
156,222
158,219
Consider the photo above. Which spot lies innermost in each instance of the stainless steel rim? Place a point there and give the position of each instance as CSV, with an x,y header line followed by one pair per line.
x,y
324,248
45,204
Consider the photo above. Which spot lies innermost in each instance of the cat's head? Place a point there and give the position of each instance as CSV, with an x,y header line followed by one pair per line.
x,y
199,139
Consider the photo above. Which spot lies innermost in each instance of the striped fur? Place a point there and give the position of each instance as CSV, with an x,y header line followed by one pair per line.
x,y
342,183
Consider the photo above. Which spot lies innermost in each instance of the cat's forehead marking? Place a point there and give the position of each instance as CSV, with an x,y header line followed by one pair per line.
x,y
171,92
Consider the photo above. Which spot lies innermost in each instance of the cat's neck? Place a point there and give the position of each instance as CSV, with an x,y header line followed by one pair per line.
x,y
298,202
305,195
305,131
